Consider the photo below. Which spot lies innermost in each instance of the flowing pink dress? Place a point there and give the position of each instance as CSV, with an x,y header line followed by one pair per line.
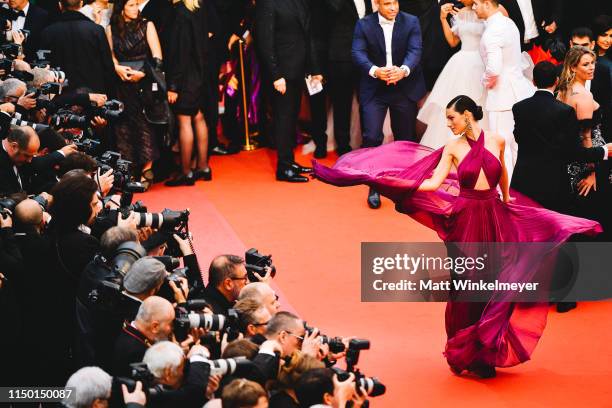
x,y
500,332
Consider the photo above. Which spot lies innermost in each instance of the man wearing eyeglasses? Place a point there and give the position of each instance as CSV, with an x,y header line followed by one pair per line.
x,y
227,276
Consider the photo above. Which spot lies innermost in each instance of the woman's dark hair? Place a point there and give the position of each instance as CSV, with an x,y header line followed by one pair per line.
x,y
118,24
601,24
72,201
464,103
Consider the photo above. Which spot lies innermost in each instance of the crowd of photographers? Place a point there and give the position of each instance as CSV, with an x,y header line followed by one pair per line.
x,y
108,299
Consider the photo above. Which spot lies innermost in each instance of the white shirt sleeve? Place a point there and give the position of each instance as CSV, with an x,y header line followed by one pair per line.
x,y
494,59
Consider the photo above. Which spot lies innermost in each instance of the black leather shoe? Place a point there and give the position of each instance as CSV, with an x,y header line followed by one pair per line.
x,y
199,174
180,180
343,150
221,151
320,152
290,175
373,199
300,169
564,307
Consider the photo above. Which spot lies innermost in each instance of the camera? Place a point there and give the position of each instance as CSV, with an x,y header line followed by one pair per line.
x,y
255,264
65,118
240,366
139,372
335,343
7,206
185,321
372,385
11,50
87,146
111,110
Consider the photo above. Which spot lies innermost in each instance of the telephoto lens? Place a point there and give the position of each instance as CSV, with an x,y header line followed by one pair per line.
x,y
240,366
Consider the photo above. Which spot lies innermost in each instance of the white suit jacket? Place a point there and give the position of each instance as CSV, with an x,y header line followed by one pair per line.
x,y
500,48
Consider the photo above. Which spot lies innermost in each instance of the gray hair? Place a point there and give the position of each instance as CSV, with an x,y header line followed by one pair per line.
x,y
90,384
115,236
41,76
151,309
10,87
163,355
255,290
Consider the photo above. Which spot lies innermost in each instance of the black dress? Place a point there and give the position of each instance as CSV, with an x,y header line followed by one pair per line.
x,y
187,62
133,134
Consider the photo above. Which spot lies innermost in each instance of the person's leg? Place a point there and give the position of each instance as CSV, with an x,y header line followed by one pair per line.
x,y
341,86
403,114
285,111
202,140
503,123
185,141
373,115
318,124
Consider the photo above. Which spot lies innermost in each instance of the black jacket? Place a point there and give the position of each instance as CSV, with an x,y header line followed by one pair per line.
x,y
284,39
547,134
160,12
186,62
130,347
79,46
217,301
36,20
343,17
192,393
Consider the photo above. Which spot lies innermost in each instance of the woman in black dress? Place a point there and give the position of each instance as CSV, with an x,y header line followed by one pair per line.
x,y
133,40
186,76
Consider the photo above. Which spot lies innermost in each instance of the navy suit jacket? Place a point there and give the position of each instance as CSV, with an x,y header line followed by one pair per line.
x,y
406,48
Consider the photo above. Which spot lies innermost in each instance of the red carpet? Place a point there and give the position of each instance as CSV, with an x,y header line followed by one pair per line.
x,y
314,232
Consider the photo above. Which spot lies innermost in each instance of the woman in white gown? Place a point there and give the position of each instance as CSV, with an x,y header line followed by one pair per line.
x,y
462,74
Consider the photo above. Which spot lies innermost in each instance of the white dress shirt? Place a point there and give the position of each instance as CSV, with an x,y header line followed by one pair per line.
x,y
361,7
20,22
387,27
531,28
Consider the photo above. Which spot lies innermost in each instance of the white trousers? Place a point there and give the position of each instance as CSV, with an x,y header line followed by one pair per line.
x,y
502,122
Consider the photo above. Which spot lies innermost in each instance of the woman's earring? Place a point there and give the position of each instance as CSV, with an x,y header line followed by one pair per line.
x,y
468,126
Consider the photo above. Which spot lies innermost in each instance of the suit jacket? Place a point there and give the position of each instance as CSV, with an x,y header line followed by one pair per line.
x,y
343,17
547,134
500,48
284,39
9,183
36,20
406,47
79,46
130,347
514,14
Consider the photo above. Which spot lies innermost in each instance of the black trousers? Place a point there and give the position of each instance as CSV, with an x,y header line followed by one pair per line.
x,y
343,80
318,115
211,104
285,112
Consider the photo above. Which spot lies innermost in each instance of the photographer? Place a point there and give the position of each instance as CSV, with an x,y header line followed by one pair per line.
x,y
263,294
227,276
30,19
253,319
320,387
153,323
98,328
184,387
92,388
289,375
143,280
242,393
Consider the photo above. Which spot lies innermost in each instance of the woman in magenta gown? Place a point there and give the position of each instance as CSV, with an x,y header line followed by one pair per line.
x,y
455,190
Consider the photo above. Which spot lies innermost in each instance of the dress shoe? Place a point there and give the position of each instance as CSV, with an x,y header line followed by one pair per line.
x,y
181,180
290,175
320,152
564,307
200,174
373,199
300,169
343,150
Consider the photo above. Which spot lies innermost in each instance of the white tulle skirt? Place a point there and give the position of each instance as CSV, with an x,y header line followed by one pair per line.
x,y
462,75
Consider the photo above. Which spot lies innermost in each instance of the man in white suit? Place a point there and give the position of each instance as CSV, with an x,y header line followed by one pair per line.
x,y
500,48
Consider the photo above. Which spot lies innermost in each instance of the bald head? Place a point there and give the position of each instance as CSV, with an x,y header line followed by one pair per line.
x,y
28,212
154,319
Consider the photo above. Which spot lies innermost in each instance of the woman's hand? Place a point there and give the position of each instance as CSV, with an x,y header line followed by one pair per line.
x,y
447,9
281,86
136,76
125,73
172,97
508,199
586,184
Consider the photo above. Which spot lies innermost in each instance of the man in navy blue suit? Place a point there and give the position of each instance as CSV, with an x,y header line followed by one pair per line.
x,y
387,49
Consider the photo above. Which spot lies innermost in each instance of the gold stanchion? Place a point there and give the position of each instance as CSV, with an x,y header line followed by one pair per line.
x,y
248,145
